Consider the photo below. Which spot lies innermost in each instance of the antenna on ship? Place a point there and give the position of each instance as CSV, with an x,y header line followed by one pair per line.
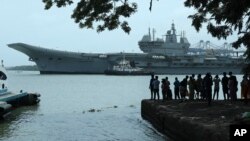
x,y
154,34
149,33
173,28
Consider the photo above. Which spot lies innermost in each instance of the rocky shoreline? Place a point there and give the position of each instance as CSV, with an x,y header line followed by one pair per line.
x,y
194,120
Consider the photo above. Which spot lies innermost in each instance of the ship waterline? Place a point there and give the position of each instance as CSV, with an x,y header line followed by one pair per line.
x,y
159,56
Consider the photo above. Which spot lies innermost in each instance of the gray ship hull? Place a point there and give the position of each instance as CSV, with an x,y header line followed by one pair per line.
x,y
51,61
72,66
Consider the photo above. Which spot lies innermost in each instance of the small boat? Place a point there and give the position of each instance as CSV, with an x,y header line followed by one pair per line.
x,y
4,106
3,78
124,68
9,99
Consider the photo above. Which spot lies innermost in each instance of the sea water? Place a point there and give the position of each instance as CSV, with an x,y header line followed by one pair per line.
x,y
81,108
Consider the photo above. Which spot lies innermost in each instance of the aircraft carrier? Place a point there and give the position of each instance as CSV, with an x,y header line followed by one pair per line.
x,y
167,55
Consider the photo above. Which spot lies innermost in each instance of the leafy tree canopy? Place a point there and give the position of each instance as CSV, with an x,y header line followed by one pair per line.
x,y
107,14
222,17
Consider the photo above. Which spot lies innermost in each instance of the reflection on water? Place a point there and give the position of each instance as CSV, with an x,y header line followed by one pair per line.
x,y
79,107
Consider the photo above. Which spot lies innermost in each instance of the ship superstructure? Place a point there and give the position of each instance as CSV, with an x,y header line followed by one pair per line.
x,y
169,47
161,56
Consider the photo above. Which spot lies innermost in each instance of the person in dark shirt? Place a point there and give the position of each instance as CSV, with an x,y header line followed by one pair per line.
x,y
232,86
169,92
216,86
224,82
191,84
151,87
199,87
164,88
244,88
208,82
176,88
183,90
185,83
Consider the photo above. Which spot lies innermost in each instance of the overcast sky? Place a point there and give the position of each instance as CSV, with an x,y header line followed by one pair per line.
x,y
26,21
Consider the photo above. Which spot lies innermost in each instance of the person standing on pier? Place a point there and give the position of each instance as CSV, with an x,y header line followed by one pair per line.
x,y
164,89
198,84
216,86
224,83
169,92
176,88
244,88
183,90
232,85
156,84
195,86
208,82
151,87
191,84
184,84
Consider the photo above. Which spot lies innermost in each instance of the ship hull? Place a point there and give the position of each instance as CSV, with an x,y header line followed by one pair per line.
x,y
66,72
72,66
61,62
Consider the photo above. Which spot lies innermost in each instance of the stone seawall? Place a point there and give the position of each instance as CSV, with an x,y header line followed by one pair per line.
x,y
192,120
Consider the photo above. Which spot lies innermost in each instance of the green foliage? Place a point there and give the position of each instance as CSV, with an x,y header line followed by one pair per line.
x,y
59,3
223,17
105,14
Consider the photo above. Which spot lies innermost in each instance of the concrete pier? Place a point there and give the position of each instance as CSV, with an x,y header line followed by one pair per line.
x,y
193,120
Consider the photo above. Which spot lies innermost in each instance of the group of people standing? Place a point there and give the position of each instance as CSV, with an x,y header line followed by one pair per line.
x,y
154,87
200,88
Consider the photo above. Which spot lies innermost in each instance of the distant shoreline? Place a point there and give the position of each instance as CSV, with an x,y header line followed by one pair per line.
x,y
24,68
